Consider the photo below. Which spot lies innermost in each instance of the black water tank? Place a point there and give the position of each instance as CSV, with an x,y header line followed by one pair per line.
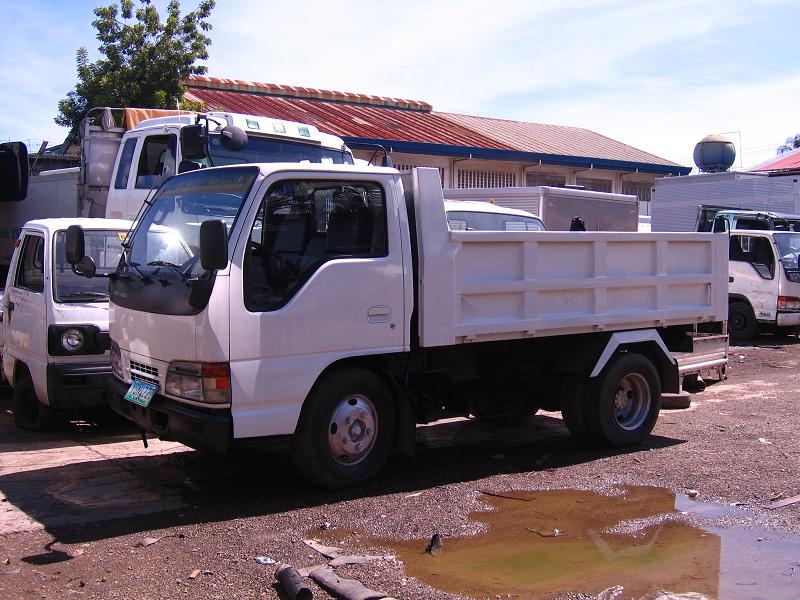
x,y
714,153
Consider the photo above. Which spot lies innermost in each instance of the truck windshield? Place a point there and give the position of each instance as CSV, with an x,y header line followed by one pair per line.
x,y
104,247
270,150
788,248
484,221
168,234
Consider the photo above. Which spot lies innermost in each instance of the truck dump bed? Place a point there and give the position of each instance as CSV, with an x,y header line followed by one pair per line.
x,y
482,286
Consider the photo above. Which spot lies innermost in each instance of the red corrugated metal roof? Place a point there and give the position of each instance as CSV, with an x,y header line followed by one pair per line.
x,y
347,120
789,161
362,116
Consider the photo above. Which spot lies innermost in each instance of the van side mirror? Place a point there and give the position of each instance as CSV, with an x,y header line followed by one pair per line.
x,y
75,246
194,139
720,224
213,245
14,171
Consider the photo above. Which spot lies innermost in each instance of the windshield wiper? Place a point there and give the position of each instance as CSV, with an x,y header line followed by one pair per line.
x,y
171,266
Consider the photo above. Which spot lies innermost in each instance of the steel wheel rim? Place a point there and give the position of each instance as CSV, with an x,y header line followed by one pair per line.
x,y
632,401
736,321
352,430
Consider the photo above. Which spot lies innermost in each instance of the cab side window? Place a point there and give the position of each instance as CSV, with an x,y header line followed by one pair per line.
x,y
156,161
302,224
756,251
30,269
124,168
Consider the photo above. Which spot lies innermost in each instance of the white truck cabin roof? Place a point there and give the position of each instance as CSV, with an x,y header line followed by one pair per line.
x,y
253,125
49,226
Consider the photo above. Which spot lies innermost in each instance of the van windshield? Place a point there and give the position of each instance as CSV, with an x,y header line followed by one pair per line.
x,y
104,247
168,234
268,150
788,248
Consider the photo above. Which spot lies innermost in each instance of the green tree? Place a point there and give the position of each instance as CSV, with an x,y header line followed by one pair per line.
x,y
144,59
791,143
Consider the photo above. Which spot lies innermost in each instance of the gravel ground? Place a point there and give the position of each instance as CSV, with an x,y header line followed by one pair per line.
x,y
737,443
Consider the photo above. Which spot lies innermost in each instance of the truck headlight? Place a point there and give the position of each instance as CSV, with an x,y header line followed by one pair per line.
x,y
72,340
788,303
116,359
200,382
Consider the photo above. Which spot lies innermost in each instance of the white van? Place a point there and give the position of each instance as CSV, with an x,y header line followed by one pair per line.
x,y
764,282
55,323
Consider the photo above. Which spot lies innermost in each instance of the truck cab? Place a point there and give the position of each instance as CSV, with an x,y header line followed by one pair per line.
x,y
55,323
764,281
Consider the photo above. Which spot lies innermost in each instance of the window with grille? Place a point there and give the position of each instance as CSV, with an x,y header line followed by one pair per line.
x,y
485,179
552,180
595,185
639,189
405,167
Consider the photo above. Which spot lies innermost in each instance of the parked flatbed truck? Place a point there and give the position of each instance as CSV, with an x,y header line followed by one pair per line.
x,y
330,307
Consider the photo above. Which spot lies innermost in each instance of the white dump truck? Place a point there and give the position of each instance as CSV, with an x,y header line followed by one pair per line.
x,y
331,307
558,206
127,153
54,331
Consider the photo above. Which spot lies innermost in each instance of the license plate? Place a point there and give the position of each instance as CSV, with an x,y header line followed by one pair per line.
x,y
141,392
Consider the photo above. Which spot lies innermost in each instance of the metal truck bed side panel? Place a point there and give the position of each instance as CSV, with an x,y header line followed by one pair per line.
x,y
481,286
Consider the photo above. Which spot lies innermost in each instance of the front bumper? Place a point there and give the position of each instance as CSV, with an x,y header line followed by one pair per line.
x,y
78,385
200,428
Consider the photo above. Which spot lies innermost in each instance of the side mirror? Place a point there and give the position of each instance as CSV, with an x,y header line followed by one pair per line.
x,y
213,245
14,171
194,139
75,247
85,267
720,224
233,138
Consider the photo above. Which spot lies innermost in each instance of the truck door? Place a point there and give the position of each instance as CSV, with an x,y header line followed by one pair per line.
x,y
752,271
320,279
26,315
154,163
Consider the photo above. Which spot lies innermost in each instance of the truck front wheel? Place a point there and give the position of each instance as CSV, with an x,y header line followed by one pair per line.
x,y
29,413
345,430
623,404
742,323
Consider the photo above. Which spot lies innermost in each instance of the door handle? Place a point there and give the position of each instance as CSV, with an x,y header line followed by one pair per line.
x,y
379,314
730,279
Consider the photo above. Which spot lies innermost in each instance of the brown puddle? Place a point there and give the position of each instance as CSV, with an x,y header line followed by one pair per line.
x,y
546,543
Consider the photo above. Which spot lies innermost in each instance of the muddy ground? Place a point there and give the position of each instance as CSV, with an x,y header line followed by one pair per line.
x,y
78,502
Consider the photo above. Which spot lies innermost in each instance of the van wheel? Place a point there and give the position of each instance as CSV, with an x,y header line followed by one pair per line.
x,y
622,406
345,431
742,324
29,413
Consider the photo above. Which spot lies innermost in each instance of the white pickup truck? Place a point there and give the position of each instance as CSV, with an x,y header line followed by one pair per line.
x,y
54,330
331,307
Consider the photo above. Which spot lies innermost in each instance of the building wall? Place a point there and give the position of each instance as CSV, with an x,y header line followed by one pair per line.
x,y
473,173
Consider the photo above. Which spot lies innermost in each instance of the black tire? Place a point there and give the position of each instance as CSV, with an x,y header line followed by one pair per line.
x,y
29,412
573,403
327,455
622,406
742,324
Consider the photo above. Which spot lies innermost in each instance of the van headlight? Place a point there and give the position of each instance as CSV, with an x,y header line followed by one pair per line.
x,y
73,340
116,359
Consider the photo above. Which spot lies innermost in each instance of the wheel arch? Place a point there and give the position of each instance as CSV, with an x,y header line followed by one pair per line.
x,y
648,343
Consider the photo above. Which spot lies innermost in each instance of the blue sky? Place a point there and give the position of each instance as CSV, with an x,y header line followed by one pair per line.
x,y
655,75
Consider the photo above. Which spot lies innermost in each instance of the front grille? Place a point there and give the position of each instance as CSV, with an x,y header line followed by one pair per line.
x,y
143,372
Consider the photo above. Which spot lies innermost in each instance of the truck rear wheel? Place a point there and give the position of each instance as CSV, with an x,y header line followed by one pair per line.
x,y
742,324
29,412
622,406
345,431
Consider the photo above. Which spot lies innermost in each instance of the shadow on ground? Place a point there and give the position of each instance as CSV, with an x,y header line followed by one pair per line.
x,y
86,501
